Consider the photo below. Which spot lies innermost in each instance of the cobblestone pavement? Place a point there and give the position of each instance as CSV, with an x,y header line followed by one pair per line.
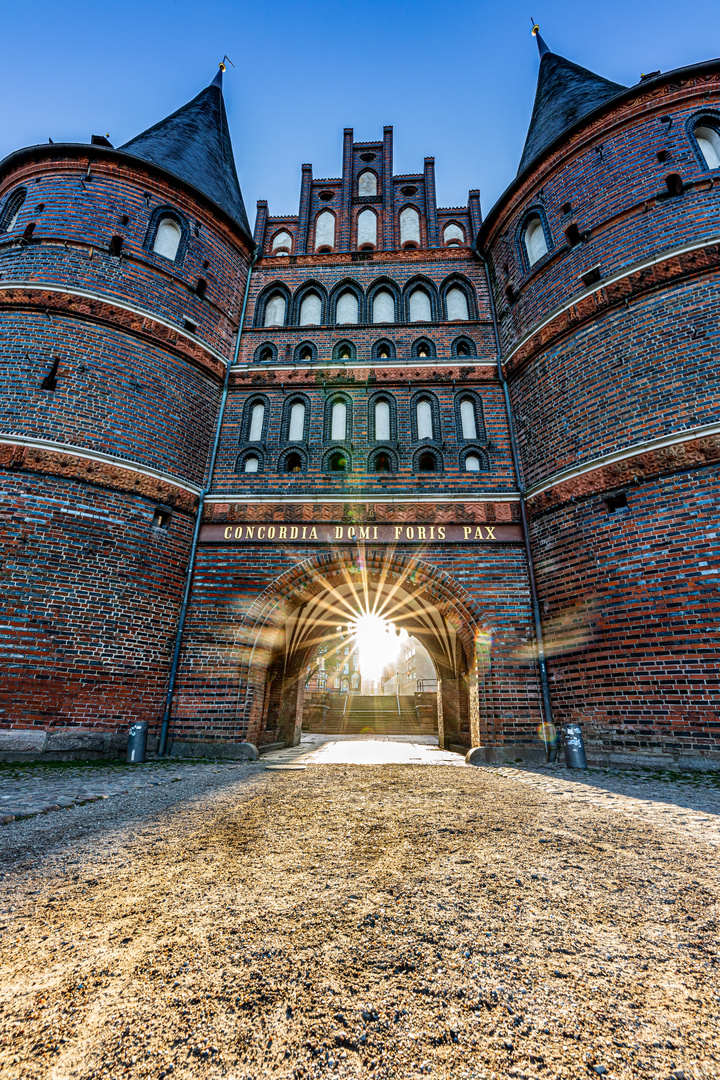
x,y
341,920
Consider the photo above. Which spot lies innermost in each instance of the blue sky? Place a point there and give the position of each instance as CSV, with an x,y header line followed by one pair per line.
x,y
456,79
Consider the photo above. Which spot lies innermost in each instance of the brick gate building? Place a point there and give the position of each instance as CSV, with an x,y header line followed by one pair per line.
x,y
503,434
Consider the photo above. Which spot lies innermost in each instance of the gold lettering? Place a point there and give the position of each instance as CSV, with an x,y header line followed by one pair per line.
x,y
261,532
467,529
228,532
441,532
293,532
410,532
238,532
304,531
490,532
478,534
398,530
421,532
432,532
374,532
364,532
249,532
283,533
313,534
338,532
351,532
271,532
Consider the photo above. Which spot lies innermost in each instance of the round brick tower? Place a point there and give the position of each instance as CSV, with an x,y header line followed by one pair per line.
x,y
604,259
121,280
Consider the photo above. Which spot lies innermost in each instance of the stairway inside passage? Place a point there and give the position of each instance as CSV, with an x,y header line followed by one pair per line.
x,y
355,714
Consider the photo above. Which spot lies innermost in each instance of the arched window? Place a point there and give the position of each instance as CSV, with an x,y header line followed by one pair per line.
x,y
311,310
282,243
453,235
338,422
424,417
383,306
427,463
456,304
367,228
344,350
420,307
257,417
383,350
534,240
467,419
275,310
293,463
382,421
347,308
10,214
251,462
472,463
409,226
296,431
708,140
367,183
167,238
355,680
338,462
325,230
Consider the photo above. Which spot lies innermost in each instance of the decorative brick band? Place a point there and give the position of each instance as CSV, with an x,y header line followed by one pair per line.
x,y
101,470
79,304
500,508
333,375
675,453
613,291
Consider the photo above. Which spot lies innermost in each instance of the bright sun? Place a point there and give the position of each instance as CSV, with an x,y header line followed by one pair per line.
x,y
378,644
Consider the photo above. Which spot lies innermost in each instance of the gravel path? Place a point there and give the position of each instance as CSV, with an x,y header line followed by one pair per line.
x,y
345,920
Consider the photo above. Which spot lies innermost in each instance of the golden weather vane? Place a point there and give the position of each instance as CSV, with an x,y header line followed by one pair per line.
x,y
222,66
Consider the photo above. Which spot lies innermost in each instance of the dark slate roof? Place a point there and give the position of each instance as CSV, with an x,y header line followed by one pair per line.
x,y
194,145
565,92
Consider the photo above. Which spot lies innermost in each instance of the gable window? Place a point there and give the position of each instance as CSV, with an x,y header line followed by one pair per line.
x,y
275,310
409,226
325,230
297,422
257,417
382,421
167,238
311,310
10,214
456,304
420,307
367,183
453,235
467,419
534,240
282,243
347,308
708,140
423,414
338,422
366,228
251,463
383,306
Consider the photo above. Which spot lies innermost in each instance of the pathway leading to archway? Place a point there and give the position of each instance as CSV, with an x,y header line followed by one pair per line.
x,y
317,749
398,920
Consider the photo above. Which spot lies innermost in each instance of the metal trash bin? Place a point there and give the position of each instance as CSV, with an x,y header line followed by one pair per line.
x,y
574,747
137,742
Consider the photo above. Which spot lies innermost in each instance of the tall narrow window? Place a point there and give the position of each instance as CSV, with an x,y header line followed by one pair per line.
x,y
453,235
367,183
420,309
456,303
467,419
167,238
325,230
12,210
535,242
250,464
367,228
338,426
383,306
424,420
382,421
311,310
256,422
708,139
282,243
297,422
347,308
275,310
409,226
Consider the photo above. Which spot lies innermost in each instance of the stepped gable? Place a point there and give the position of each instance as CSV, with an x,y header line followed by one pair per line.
x,y
565,93
194,145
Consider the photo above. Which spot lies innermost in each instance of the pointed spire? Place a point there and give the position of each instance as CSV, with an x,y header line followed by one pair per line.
x,y
565,93
194,145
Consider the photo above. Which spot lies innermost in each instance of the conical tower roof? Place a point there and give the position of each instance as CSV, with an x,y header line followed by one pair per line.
x,y
565,93
194,145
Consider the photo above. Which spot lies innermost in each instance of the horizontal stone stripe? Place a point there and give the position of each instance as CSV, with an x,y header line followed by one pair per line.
x,y
674,453
614,290
412,367
56,459
80,304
